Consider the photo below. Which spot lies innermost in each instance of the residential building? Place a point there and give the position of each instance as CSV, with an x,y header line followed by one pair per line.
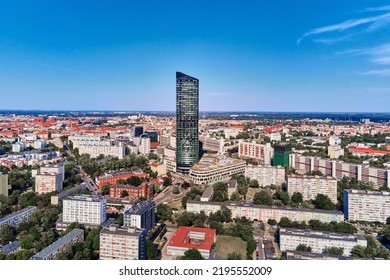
x,y
4,185
18,147
212,144
39,144
266,175
144,147
368,206
121,243
10,248
334,141
290,238
187,118
311,186
232,187
207,194
281,154
334,152
16,218
88,210
56,199
262,153
215,168
56,169
141,215
300,256
48,182
50,252
275,136
113,150
264,213
186,238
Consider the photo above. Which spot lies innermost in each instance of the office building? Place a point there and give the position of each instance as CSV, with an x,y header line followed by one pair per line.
x,y
215,168
141,215
186,238
264,213
153,135
311,186
261,153
187,117
266,175
4,185
319,240
16,218
366,206
281,154
87,210
121,243
65,242
138,131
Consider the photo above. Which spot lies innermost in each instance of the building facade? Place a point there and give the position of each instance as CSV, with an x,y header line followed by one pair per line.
x,y
266,175
187,118
281,154
262,153
15,219
4,186
89,210
141,215
212,144
366,206
48,182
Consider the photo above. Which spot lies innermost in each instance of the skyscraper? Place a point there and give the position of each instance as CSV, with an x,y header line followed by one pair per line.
x,y
187,117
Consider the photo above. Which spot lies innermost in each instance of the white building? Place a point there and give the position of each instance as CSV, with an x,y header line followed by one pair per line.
x,y
56,168
275,136
89,210
264,213
140,215
266,174
319,240
211,169
262,153
39,144
144,147
212,144
121,243
48,182
112,150
18,147
366,206
334,152
334,140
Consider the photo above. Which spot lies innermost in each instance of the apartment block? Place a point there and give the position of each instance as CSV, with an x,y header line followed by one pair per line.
x,y
121,243
88,210
4,185
366,206
266,174
319,240
48,182
56,169
334,152
212,144
16,218
262,153
264,213
311,186
102,149
50,252
141,215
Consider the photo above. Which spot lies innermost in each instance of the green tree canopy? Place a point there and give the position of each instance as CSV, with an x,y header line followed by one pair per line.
x,y
262,198
192,254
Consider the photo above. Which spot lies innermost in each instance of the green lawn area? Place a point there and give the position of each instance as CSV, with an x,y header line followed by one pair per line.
x,y
228,244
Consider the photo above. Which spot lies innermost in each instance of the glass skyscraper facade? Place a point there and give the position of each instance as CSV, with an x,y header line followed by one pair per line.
x,y
187,117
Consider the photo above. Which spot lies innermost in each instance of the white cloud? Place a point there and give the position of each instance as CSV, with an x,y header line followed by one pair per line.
x,y
377,72
377,9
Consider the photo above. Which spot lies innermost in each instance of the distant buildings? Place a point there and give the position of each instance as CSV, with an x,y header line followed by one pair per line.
x,y
311,186
141,215
87,210
187,117
366,206
4,185
262,153
319,240
264,213
96,146
18,147
144,147
121,243
266,175
50,179
50,252
16,218
281,154
334,152
211,169
186,238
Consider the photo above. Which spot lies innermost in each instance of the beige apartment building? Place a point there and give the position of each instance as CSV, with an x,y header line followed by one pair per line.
x,y
4,184
266,174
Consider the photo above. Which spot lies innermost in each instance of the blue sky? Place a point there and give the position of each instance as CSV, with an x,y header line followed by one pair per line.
x,y
249,55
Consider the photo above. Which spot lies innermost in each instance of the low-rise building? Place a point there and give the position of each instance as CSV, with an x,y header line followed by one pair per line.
x,y
111,178
186,238
10,248
232,187
50,252
319,240
266,175
56,199
207,194
369,206
311,186
140,215
121,243
16,218
211,169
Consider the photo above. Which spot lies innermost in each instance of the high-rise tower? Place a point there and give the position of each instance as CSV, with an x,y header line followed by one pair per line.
x,y
187,117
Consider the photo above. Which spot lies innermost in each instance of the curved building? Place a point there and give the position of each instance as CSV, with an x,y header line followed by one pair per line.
x,y
187,117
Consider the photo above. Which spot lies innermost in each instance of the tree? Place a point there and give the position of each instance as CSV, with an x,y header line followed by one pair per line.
x,y
283,196
262,198
284,222
323,202
167,182
151,250
220,196
254,183
134,181
7,234
192,254
235,197
176,190
124,193
333,251
272,222
303,248
105,190
234,256
164,212
297,198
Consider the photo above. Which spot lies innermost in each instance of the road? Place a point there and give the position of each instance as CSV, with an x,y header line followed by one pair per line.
x,y
167,196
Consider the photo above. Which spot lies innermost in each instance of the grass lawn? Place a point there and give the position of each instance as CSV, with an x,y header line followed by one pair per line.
x,y
228,244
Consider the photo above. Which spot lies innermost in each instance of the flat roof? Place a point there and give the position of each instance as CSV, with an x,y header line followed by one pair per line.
x,y
181,238
366,192
298,255
10,247
232,184
321,234
16,214
58,244
250,205
115,229
209,162
208,192
89,198
139,208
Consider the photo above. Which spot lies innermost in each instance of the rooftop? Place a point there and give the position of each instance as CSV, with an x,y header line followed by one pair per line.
x,y
193,237
90,198
115,229
365,192
208,162
7,249
139,207
321,234
16,214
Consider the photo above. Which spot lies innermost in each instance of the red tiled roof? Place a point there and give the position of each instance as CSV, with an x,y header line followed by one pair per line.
x,y
181,238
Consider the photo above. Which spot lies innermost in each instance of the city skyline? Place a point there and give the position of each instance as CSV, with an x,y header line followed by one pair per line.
x,y
302,57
